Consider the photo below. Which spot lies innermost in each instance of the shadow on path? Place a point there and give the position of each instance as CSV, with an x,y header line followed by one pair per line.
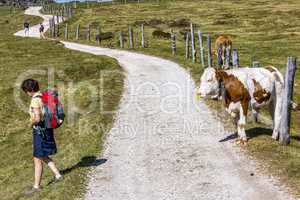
x,y
258,131
295,137
229,137
251,133
87,161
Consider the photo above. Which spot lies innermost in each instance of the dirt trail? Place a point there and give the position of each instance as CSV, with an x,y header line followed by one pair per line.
x,y
34,29
164,144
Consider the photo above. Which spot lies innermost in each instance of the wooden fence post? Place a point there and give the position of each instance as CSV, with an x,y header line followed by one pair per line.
x,y
143,36
77,32
255,64
173,41
50,26
57,18
187,45
121,40
284,136
64,11
209,53
66,32
68,12
54,28
235,58
200,36
131,45
98,34
219,57
57,30
88,33
72,12
227,57
193,43
62,15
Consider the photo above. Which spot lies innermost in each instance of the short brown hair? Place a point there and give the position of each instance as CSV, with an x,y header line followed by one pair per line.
x,y
30,85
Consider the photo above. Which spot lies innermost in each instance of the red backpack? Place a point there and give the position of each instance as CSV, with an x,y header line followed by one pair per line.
x,y
53,109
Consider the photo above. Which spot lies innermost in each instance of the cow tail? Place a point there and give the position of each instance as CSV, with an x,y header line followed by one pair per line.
x,y
277,74
279,89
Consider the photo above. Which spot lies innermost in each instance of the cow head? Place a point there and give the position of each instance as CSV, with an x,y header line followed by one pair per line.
x,y
209,84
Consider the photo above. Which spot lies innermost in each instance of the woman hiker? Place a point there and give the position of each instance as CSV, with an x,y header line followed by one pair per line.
x,y
41,29
26,28
43,139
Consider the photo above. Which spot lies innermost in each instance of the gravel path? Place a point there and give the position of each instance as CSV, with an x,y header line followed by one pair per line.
x,y
34,29
164,145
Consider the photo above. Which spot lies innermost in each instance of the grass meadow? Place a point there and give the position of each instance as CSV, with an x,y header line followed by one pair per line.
x,y
80,139
262,30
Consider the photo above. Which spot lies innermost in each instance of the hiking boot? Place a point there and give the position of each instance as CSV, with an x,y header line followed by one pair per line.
x,y
32,191
56,180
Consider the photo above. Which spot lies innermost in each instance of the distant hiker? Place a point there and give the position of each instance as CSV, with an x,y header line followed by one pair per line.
x,y
42,31
42,124
26,28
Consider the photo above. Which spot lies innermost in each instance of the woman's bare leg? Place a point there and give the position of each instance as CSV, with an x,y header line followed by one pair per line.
x,y
38,172
52,166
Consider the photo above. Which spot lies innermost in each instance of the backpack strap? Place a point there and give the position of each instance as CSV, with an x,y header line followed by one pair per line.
x,y
38,96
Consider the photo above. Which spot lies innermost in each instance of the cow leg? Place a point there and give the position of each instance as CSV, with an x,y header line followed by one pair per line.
x,y
255,112
223,55
271,108
278,108
255,115
236,122
242,121
230,53
236,119
241,127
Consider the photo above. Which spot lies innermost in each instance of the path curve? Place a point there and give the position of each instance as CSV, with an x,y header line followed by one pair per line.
x,y
164,145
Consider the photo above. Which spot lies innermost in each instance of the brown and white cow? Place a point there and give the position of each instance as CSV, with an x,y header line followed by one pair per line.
x,y
224,42
244,87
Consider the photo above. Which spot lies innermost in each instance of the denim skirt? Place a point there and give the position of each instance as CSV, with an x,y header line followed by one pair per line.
x,y
43,142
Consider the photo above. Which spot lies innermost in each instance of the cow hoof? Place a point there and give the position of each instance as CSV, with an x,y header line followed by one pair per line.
x,y
295,106
244,142
233,115
238,141
275,135
255,119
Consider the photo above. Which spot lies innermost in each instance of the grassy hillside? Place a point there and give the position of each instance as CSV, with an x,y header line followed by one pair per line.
x,y
80,139
267,31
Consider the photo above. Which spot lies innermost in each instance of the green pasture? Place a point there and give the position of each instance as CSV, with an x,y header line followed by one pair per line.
x,y
81,137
